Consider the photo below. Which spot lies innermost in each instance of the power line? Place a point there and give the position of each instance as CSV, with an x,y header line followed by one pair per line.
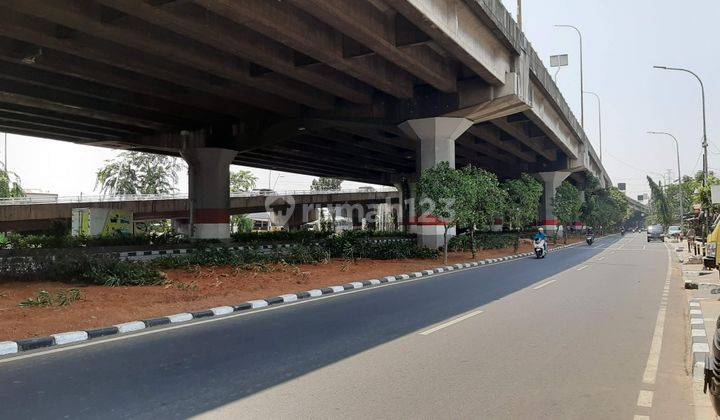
x,y
643,171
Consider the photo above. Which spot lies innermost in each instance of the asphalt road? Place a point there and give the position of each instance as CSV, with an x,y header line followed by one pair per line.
x,y
564,337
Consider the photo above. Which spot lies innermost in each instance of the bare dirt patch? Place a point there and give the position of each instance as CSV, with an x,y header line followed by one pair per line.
x,y
191,290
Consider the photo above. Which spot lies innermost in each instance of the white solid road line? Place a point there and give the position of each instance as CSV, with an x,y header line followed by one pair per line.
x,y
544,284
583,267
656,345
451,322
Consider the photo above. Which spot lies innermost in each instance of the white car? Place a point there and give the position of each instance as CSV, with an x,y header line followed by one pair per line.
x,y
674,232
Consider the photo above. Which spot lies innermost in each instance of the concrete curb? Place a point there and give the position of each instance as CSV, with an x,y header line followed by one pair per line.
x,y
700,348
17,346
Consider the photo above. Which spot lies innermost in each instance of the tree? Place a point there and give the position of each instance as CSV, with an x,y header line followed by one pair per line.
x,y
437,192
9,184
567,203
479,200
325,184
659,204
241,181
138,173
523,202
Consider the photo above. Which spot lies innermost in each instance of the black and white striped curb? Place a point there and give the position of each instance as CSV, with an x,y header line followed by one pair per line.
x,y
150,254
700,348
12,347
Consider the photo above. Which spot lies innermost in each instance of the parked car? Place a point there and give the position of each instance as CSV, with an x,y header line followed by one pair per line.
x,y
674,232
655,232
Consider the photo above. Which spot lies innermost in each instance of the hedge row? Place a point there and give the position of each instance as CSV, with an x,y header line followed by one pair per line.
x,y
483,241
17,241
78,267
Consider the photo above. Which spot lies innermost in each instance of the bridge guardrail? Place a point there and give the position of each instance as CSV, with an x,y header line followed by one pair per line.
x,y
179,196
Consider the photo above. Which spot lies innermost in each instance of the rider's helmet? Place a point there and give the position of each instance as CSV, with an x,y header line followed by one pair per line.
x,y
540,229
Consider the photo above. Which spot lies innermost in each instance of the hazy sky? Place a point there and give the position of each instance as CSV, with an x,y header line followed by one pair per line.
x,y
622,41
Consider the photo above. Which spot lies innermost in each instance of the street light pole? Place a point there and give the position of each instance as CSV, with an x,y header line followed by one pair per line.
x,y
702,93
599,119
582,102
677,152
704,142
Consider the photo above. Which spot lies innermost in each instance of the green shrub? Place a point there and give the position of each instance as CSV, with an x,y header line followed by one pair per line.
x,y
486,240
45,298
78,267
18,241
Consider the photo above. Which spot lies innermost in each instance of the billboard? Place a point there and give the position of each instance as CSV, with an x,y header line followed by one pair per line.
x,y
99,222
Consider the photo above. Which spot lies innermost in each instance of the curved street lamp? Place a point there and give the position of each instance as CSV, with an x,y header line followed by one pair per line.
x,y
582,102
599,119
677,150
704,142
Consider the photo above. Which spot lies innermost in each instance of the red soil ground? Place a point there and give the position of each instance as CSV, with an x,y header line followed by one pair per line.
x,y
190,290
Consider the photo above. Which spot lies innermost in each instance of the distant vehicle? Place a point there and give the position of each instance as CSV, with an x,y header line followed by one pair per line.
x,y
674,232
366,189
589,239
263,191
655,232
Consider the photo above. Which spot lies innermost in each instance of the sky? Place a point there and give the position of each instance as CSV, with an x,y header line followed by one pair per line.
x,y
622,40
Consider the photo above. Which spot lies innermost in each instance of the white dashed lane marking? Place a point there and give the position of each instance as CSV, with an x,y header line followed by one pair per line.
x,y
544,284
451,322
645,398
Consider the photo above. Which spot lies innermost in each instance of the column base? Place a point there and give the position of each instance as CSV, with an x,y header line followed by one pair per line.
x,y
431,236
211,231
549,225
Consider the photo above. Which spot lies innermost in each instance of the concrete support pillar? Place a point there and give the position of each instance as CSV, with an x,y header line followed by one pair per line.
x,y
436,138
370,213
550,180
209,191
357,219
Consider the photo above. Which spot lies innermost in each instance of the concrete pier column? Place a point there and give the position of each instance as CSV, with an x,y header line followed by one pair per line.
x,y
550,180
436,139
209,191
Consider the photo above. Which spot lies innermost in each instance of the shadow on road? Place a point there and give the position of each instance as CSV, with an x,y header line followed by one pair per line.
x,y
189,371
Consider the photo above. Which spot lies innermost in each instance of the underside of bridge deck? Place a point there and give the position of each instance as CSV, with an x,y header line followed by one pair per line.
x,y
315,87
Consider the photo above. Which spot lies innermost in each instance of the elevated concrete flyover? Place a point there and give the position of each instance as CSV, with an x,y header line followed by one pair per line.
x,y
342,88
36,214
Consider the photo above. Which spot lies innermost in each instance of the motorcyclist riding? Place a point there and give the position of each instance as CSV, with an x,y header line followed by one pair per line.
x,y
589,236
541,235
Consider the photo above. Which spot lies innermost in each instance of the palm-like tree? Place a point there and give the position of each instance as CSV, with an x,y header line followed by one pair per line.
x,y
659,202
139,173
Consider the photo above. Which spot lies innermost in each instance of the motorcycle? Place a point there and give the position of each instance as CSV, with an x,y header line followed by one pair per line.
x,y
622,232
589,239
540,250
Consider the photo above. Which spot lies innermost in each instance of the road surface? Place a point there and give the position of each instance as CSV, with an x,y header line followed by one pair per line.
x,y
569,336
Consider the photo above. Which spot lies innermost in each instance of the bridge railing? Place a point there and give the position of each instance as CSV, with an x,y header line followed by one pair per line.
x,y
178,196
503,20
